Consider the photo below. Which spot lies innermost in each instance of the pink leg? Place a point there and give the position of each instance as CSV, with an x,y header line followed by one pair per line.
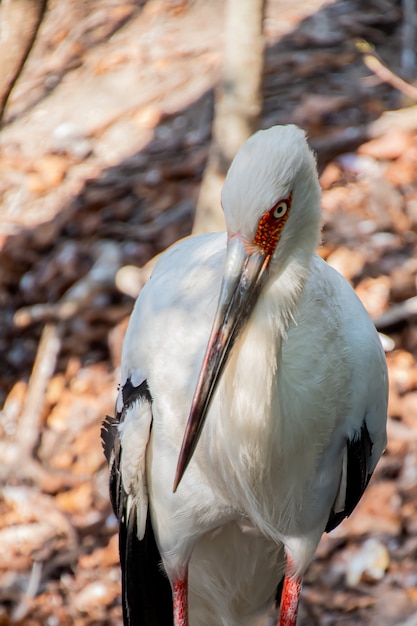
x,y
180,592
290,597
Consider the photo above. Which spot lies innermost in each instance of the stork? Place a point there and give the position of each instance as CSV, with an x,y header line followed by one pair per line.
x,y
263,355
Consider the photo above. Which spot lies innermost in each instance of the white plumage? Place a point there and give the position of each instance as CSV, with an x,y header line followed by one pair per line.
x,y
295,421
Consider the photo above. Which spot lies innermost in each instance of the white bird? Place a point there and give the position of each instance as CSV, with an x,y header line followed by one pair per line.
x,y
274,361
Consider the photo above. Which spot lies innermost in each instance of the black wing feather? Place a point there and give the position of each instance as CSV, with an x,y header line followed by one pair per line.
x,y
146,591
112,450
358,475
108,434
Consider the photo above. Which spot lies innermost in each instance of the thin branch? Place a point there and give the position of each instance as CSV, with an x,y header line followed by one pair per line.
x,y
28,430
19,25
374,63
24,606
397,313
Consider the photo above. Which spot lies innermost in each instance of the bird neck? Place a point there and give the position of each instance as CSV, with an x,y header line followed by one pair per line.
x,y
281,295
247,417
256,357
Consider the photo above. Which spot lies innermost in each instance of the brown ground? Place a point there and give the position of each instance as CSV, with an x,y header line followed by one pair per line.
x,y
106,141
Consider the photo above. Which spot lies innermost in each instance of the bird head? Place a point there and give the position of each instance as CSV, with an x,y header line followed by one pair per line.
x,y
271,195
271,201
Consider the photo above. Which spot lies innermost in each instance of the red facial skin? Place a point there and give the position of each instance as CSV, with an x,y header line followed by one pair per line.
x,y
270,227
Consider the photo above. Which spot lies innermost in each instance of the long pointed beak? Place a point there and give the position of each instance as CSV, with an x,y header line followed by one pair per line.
x,y
243,277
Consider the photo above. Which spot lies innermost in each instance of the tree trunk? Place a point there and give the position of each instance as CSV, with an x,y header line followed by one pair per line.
x,y
19,24
237,106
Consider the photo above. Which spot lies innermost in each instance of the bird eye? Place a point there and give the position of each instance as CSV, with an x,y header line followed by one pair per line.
x,y
280,209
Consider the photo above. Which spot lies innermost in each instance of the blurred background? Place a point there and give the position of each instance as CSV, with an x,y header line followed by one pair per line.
x,y
105,140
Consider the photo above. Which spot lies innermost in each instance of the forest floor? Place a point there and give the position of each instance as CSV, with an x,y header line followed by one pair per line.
x,y
101,157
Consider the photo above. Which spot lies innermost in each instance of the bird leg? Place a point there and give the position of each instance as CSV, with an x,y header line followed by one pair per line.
x,y
180,593
290,597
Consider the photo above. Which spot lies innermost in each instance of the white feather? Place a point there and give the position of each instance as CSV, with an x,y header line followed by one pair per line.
x,y
134,437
